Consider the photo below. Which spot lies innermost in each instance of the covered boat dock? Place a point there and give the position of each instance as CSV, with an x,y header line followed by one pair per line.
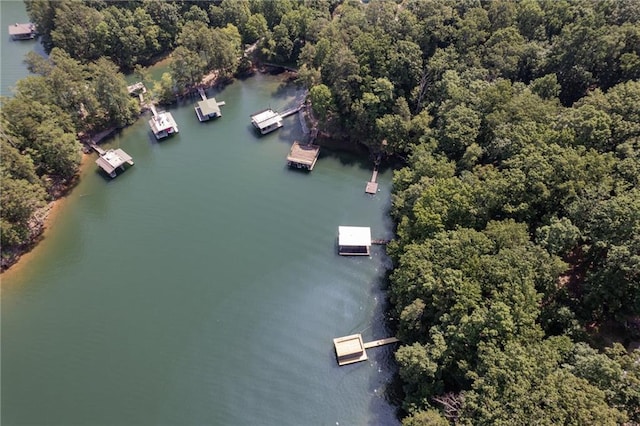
x,y
23,31
162,124
266,121
354,241
208,109
111,160
303,156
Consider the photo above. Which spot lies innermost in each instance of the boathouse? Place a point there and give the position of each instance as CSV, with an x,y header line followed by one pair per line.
x,y
23,31
349,349
303,156
162,124
110,160
208,109
266,121
354,240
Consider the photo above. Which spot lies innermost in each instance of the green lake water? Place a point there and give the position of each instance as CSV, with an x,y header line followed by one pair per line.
x,y
202,285
12,68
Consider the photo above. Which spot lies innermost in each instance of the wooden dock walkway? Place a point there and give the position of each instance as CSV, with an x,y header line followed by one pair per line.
x,y
97,149
202,94
98,137
303,156
380,342
303,123
111,160
152,107
372,185
291,111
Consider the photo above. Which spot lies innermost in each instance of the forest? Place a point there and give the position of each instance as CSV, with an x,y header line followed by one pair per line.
x,y
515,287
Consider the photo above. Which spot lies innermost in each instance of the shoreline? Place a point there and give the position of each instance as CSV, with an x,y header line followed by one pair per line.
x,y
53,209
49,212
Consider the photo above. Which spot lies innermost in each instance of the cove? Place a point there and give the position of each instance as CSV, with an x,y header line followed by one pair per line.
x,y
203,284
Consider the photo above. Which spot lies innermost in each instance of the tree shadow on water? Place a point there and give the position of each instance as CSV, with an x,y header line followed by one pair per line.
x,y
384,386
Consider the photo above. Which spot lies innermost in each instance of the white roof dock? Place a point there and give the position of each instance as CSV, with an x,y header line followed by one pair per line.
x,y
112,159
162,124
208,108
266,120
354,240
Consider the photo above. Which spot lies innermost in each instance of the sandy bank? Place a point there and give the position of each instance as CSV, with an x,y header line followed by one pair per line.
x,y
50,213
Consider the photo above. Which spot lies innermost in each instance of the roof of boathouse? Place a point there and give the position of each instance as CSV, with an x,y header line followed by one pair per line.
x,y
358,236
303,154
22,29
163,121
349,349
265,118
113,159
209,107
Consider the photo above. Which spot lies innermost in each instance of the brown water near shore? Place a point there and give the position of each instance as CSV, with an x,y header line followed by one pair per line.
x,y
56,208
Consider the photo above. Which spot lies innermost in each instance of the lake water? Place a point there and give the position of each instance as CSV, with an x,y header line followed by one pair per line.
x,y
12,68
202,285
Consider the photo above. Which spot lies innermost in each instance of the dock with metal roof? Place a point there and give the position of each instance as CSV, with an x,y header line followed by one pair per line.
x,y
372,185
162,123
111,160
291,111
207,108
266,120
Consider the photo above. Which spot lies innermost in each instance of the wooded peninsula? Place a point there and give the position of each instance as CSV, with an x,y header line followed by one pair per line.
x,y
515,288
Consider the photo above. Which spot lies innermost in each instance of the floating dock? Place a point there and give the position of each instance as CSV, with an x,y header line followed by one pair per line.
x,y
303,156
351,349
111,160
162,123
207,109
372,185
23,31
266,121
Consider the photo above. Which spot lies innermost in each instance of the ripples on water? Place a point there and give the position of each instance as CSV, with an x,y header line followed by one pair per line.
x,y
202,285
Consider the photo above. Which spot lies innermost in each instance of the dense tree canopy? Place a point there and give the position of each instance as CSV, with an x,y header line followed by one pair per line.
x,y
517,208
40,128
